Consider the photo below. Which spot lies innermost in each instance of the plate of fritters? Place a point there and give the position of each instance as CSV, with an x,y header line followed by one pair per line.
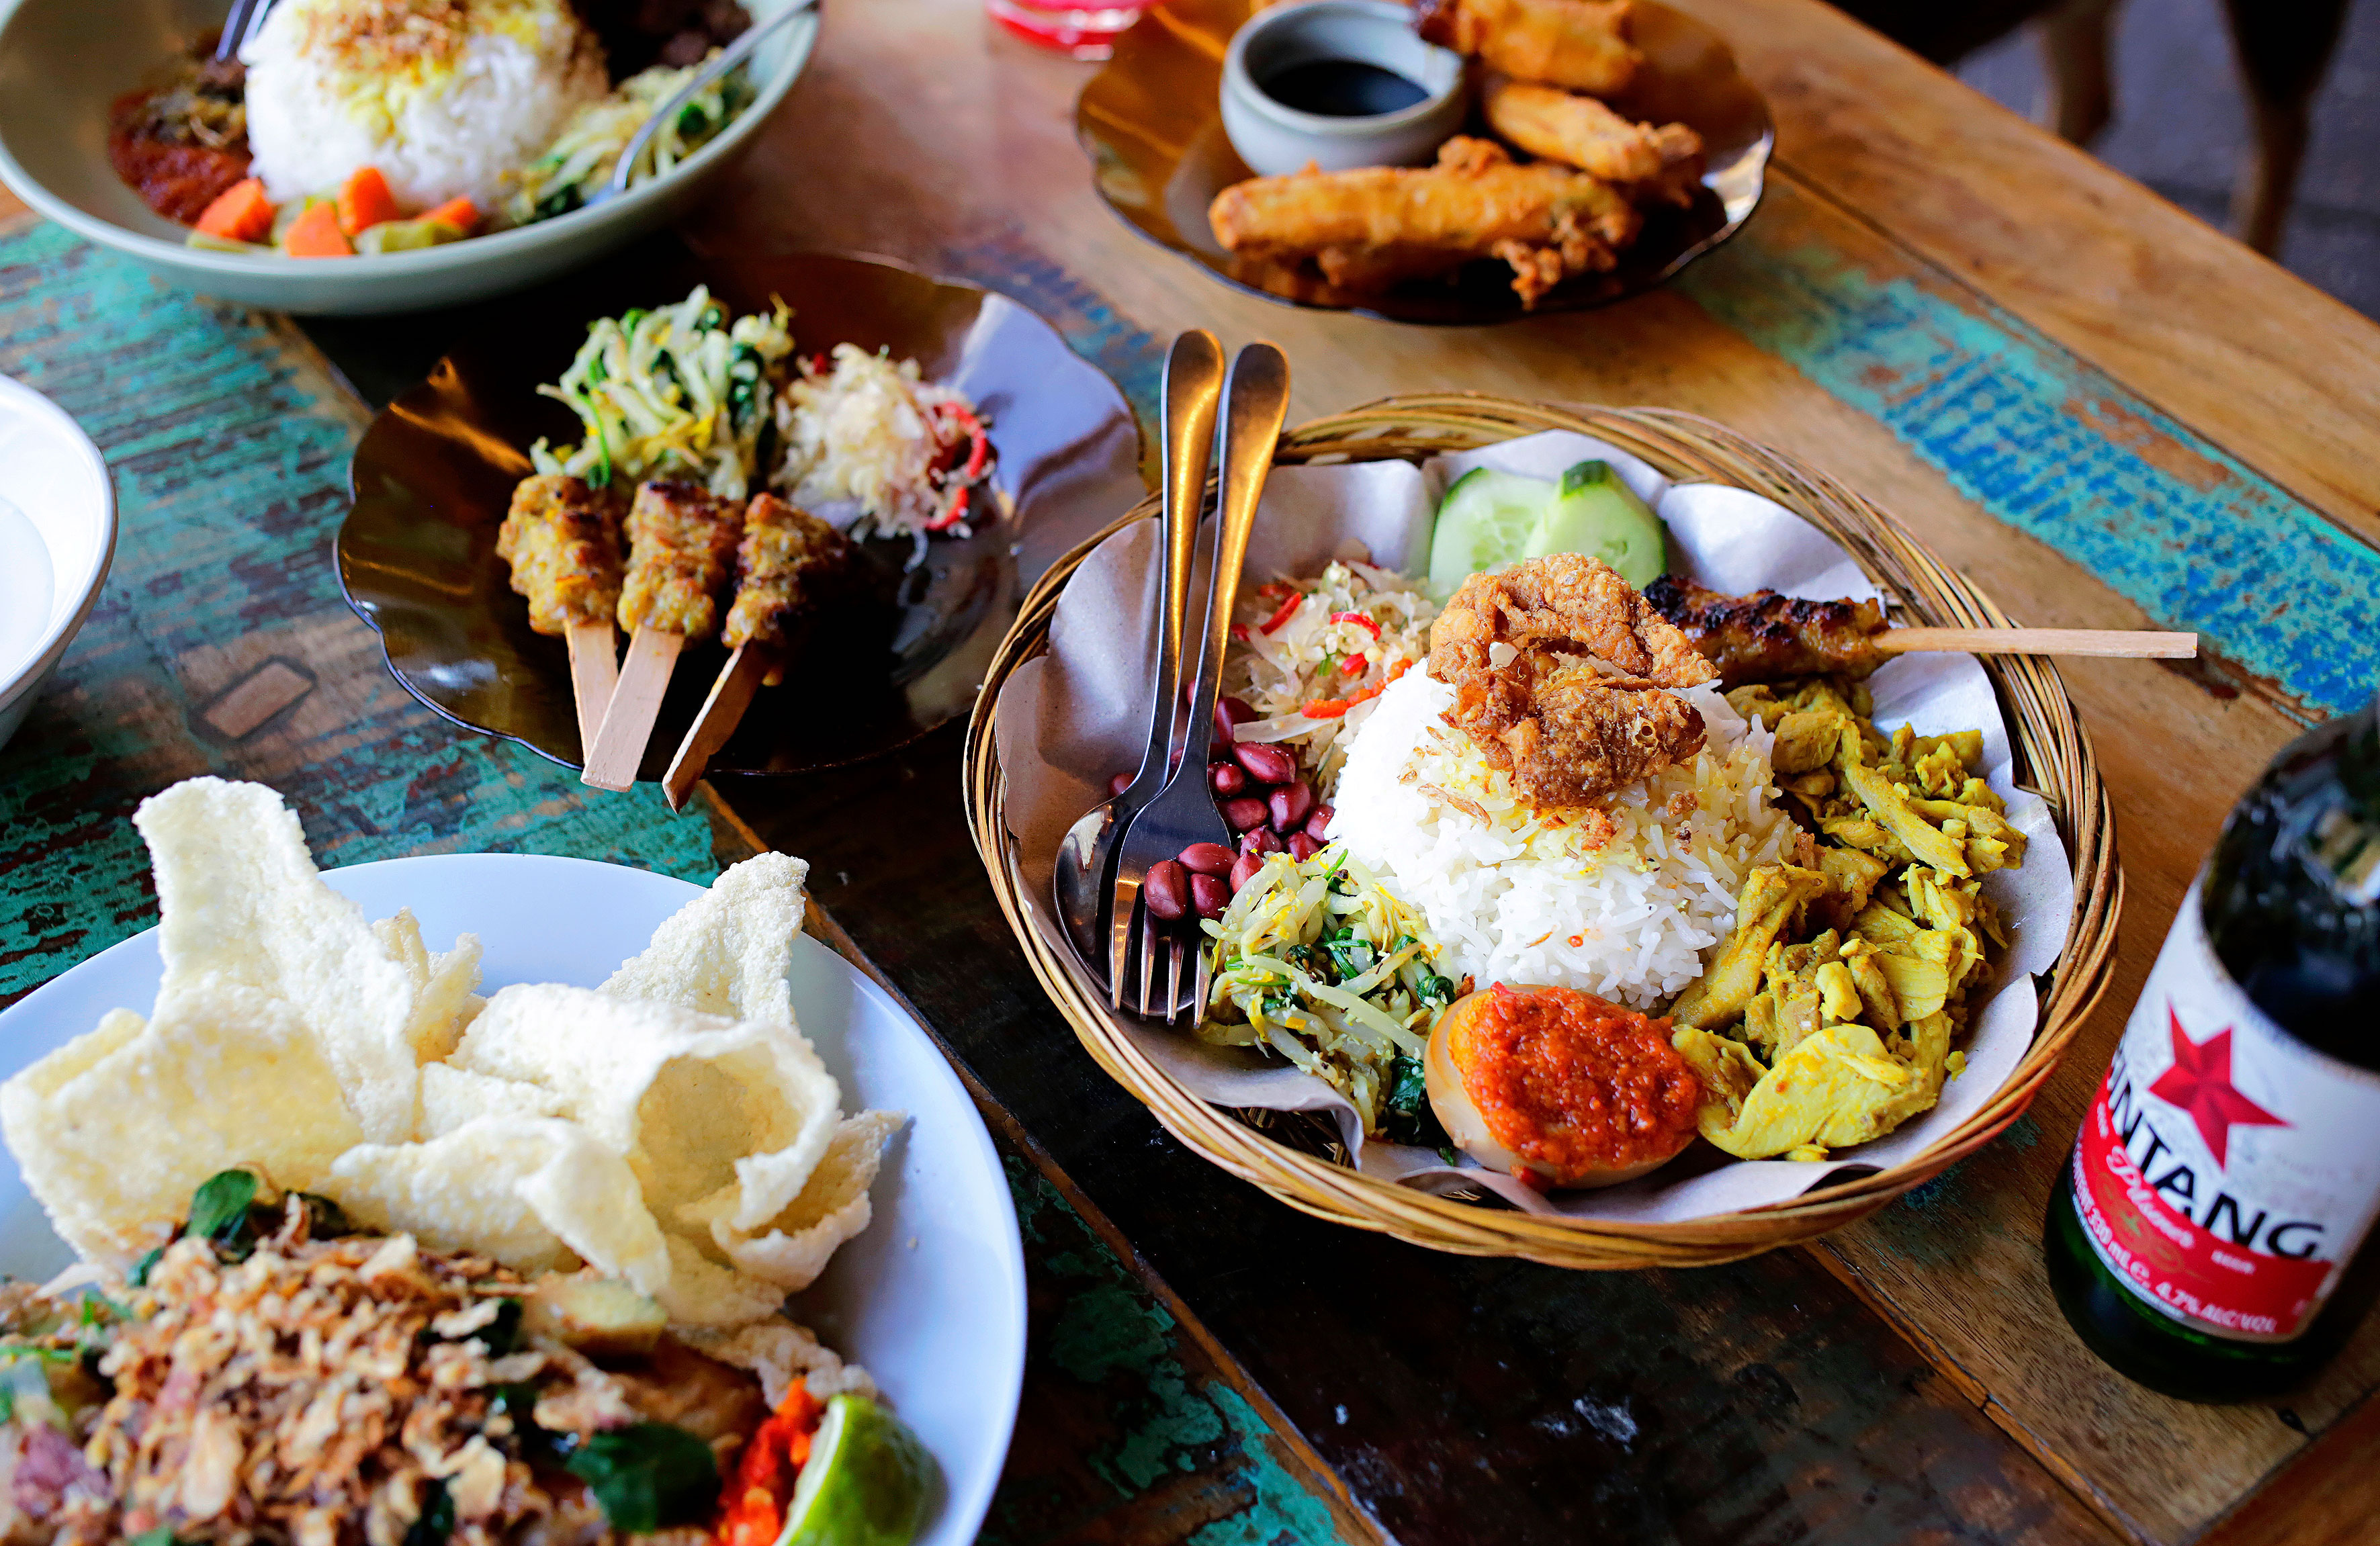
x,y
1562,193
500,1129
1041,450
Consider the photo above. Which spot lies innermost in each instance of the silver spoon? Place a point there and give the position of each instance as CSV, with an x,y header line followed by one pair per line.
x,y
240,28
1193,385
727,59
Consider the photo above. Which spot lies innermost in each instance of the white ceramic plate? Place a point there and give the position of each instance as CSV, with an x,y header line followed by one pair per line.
x,y
930,1298
57,533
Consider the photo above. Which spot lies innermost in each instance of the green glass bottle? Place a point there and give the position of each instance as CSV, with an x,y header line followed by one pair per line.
x,y
2211,1235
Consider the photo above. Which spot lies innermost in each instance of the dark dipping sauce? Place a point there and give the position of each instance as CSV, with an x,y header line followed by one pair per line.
x,y
1343,89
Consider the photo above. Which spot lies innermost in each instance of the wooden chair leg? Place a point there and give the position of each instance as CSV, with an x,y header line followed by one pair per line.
x,y
2283,51
2074,50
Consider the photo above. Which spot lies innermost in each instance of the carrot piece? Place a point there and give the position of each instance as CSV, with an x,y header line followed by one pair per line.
x,y
365,201
316,233
460,213
239,213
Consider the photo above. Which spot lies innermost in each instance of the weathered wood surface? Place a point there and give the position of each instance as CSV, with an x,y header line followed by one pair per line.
x,y
221,644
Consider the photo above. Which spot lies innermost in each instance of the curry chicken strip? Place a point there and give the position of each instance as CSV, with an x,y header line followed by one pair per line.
x,y
1768,637
1378,223
1582,45
785,562
1561,674
562,539
681,541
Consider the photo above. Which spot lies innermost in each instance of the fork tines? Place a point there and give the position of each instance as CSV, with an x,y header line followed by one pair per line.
x,y
1154,939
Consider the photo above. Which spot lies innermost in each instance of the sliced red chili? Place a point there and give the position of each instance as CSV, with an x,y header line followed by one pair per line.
x,y
1359,620
1288,610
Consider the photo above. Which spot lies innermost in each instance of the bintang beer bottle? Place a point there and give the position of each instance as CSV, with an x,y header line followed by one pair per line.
x,y
2209,1235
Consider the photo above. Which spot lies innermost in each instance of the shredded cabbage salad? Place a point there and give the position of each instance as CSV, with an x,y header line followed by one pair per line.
x,y
675,392
866,431
1311,656
585,153
1319,962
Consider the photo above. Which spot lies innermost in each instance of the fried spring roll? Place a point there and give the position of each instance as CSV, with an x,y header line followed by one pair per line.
x,y
1582,132
787,558
1375,225
1582,45
681,548
562,541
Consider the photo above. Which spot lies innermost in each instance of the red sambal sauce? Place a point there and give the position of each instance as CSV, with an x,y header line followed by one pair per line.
x,y
1570,1082
180,145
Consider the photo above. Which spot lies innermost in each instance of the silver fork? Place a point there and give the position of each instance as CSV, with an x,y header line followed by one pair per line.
x,y
1256,401
1193,385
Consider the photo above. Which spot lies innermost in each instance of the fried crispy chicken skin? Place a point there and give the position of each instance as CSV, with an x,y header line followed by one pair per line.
x,y
562,541
1582,45
1768,637
1373,226
785,563
682,542
1567,731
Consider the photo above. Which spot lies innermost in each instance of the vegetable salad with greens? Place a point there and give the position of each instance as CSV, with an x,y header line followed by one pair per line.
x,y
676,391
1319,962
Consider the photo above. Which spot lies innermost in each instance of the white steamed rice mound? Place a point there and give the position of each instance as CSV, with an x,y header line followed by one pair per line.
x,y
1520,898
443,96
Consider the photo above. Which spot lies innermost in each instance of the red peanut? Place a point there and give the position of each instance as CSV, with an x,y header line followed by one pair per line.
x,y
1302,848
1317,826
1227,779
1209,895
1119,783
1207,859
1245,812
1166,890
1267,765
1260,840
1291,807
1245,869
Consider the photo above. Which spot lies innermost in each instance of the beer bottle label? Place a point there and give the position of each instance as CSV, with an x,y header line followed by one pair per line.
x,y
2227,1171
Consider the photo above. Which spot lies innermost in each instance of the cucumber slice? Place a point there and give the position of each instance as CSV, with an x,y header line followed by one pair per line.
x,y
1596,513
1485,522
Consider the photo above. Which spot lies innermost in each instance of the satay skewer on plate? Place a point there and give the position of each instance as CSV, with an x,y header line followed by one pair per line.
x,y
562,539
786,564
681,544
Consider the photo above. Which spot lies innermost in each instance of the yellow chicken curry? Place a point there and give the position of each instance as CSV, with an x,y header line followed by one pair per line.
x,y
1828,1015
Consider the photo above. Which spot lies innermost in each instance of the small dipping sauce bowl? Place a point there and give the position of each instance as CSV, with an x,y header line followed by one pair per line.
x,y
1339,84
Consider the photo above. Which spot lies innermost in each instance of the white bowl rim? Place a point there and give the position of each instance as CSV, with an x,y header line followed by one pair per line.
x,y
801,38
52,645
1238,83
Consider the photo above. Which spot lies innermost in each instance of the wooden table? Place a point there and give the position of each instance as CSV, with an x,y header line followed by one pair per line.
x,y
2107,414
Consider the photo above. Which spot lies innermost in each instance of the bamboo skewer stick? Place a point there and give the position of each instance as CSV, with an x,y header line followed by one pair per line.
x,y
2130,642
594,672
731,695
619,745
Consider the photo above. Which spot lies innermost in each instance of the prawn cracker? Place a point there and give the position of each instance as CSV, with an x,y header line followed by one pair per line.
x,y
115,1130
727,952
833,1206
531,1193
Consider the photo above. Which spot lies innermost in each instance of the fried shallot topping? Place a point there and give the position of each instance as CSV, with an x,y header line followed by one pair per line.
x,y
323,1393
1560,672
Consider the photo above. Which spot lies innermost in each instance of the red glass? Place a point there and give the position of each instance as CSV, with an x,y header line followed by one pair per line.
x,y
1086,31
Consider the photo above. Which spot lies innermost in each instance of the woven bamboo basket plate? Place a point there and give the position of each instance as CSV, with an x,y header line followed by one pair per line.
x,y
2052,757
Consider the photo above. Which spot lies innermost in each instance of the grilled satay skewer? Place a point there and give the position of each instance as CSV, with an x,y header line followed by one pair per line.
x,y
1767,637
785,562
681,543
562,541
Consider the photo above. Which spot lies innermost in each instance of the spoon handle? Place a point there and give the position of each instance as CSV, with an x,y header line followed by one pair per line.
x,y
1193,381
727,59
1256,404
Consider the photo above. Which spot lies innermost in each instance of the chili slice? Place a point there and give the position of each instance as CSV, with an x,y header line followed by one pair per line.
x,y
1288,610
1359,620
752,1506
1332,708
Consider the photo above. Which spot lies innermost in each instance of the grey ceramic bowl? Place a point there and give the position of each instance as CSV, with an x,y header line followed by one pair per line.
x,y
1275,138
62,61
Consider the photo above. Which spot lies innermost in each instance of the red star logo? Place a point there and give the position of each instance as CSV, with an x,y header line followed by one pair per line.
x,y
2199,1083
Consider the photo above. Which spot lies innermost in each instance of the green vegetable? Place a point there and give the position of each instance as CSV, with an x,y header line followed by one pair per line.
x,y
221,1202
1405,1113
867,1482
502,1335
1485,522
1595,513
406,235
325,1220
142,1268
436,1521
648,1477
162,1536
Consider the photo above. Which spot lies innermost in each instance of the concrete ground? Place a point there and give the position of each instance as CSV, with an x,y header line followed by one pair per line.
x,y
2181,127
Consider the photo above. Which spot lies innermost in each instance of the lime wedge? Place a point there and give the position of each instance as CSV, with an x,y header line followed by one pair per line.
x,y
867,1482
